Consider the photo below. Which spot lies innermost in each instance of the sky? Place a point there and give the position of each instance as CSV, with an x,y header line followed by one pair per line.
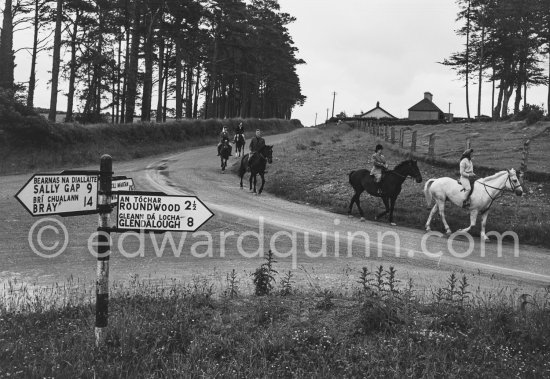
x,y
364,50
381,50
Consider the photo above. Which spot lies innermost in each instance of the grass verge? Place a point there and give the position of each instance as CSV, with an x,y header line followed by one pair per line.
x,y
381,329
313,168
62,145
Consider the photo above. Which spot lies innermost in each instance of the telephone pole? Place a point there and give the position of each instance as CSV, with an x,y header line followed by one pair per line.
x,y
333,99
315,118
326,122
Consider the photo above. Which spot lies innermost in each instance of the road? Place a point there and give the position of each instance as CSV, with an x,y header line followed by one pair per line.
x,y
322,249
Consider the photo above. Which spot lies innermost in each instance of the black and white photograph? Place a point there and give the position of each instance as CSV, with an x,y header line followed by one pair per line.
x,y
275,189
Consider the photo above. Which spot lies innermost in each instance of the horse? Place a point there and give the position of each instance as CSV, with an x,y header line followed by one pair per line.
x,y
257,166
361,180
484,192
239,144
225,152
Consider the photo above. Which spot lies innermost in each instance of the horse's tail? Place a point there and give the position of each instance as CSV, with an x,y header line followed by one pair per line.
x,y
427,192
349,176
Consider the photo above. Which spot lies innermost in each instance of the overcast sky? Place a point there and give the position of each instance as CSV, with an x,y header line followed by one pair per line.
x,y
364,50
380,50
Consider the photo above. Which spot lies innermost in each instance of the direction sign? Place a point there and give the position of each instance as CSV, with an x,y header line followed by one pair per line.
x,y
120,183
65,194
159,212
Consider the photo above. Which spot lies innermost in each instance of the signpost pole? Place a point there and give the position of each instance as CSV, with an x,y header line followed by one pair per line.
x,y
103,250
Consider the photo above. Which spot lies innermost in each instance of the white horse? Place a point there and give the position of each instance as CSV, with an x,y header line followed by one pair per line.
x,y
486,191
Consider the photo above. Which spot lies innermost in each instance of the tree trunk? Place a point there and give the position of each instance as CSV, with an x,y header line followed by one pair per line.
x,y
506,98
56,61
131,92
496,111
6,48
189,92
166,65
197,88
468,60
126,70
179,109
493,96
480,74
118,77
32,76
148,77
72,75
161,80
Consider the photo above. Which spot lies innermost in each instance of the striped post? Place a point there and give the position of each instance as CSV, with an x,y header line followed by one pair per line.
x,y
103,250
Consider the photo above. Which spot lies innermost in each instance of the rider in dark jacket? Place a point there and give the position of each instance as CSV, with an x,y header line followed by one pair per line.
x,y
224,136
239,130
257,143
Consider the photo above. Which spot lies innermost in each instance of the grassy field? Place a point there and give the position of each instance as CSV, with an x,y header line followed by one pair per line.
x,y
496,144
35,148
380,328
313,168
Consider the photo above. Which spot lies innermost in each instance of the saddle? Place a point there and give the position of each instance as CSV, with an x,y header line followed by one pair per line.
x,y
472,183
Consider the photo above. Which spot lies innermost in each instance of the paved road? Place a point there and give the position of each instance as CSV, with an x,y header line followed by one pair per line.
x,y
322,249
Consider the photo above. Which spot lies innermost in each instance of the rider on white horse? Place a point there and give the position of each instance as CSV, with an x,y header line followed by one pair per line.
x,y
466,174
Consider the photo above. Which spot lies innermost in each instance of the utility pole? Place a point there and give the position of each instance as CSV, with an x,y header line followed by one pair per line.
x,y
449,107
326,122
315,118
333,99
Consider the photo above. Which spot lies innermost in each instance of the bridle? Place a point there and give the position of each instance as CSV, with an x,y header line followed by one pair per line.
x,y
500,190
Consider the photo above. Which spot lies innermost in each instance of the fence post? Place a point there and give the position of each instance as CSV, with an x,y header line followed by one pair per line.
x,y
392,132
401,137
103,250
524,159
413,141
386,136
431,145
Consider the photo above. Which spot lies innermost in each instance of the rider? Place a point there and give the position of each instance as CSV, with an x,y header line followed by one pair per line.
x,y
466,174
257,143
379,164
224,136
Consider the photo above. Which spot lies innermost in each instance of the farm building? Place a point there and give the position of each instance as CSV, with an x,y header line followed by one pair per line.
x,y
377,112
426,109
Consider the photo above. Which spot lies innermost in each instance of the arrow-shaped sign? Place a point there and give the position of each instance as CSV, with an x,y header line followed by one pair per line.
x,y
158,212
120,183
65,194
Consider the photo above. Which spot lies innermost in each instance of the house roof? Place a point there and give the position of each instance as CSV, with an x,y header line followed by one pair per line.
x,y
380,108
425,105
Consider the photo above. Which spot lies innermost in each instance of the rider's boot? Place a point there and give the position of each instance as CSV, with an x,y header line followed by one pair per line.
x,y
466,203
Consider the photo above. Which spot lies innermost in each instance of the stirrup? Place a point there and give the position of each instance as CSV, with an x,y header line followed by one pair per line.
x,y
466,204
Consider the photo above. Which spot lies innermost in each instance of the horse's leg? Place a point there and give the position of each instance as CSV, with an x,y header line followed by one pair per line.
x,y
386,205
251,178
441,205
473,218
358,203
255,181
429,221
351,204
392,206
263,182
483,223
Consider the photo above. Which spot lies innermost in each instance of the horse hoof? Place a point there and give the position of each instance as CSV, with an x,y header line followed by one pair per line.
x,y
362,219
393,224
428,229
448,232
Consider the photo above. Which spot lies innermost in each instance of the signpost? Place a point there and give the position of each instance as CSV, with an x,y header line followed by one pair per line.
x,y
69,193
158,212
72,193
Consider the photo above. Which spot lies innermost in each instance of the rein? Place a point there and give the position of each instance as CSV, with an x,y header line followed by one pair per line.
x,y
501,190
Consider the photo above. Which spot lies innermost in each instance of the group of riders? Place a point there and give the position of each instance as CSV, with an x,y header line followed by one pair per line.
x,y
379,166
257,143
467,175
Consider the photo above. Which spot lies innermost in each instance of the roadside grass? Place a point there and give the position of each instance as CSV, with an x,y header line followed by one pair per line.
x,y
314,165
72,145
380,328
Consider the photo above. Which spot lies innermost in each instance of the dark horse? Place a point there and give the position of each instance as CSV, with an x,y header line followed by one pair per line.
x,y
239,144
257,166
225,152
361,180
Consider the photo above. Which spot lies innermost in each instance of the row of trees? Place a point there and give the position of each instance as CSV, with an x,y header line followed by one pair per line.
x,y
506,43
216,58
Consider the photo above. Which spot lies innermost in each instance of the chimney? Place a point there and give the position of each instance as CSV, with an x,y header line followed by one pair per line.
x,y
377,104
428,95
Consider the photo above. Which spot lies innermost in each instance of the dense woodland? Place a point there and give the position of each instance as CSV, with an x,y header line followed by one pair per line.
x,y
505,44
131,58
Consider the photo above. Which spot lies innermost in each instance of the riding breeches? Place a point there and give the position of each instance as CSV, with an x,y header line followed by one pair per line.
x,y
465,184
377,175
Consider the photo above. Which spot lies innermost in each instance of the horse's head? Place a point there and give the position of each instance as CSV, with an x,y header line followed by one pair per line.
x,y
409,168
267,152
513,183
